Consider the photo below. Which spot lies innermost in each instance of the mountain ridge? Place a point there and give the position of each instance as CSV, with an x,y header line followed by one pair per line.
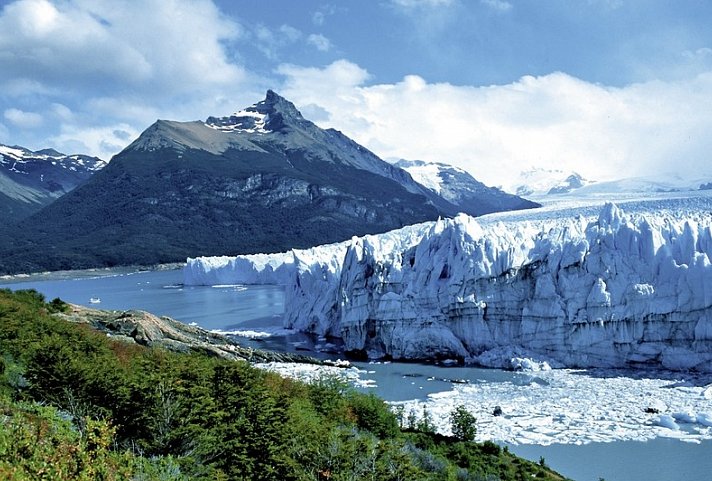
x,y
30,180
461,189
261,180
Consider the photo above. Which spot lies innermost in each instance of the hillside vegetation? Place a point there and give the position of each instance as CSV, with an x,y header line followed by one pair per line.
x,y
77,405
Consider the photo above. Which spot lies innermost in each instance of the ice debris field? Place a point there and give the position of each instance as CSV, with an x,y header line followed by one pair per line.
x,y
560,406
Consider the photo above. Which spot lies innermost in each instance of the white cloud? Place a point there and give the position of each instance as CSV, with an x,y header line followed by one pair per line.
x,y
552,121
89,65
319,17
141,45
270,42
291,33
339,78
62,111
700,53
497,5
22,119
102,142
319,41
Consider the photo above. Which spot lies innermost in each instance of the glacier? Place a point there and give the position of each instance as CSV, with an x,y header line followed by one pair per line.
x,y
567,288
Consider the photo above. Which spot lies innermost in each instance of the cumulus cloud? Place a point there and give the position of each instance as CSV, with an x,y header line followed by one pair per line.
x,y
314,85
25,120
77,42
88,65
319,41
103,142
553,121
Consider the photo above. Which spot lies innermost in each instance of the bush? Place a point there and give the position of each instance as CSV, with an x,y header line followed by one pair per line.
x,y
463,424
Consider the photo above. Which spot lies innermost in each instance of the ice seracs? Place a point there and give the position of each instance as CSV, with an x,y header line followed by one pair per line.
x,y
616,290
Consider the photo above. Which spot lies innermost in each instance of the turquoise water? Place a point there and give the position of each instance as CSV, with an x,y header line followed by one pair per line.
x,y
660,459
162,293
239,307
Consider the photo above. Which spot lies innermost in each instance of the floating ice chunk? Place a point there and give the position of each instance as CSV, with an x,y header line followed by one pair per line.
x,y
526,364
707,393
685,417
656,406
705,418
667,421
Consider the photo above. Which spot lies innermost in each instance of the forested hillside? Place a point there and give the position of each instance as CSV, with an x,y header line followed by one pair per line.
x,y
78,405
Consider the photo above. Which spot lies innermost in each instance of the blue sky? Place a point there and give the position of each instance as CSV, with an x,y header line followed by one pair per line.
x,y
608,88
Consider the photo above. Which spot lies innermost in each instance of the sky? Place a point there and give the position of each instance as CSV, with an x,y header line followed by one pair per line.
x,y
605,88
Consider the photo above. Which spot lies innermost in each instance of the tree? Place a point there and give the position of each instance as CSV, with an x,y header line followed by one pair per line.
x,y
425,424
462,423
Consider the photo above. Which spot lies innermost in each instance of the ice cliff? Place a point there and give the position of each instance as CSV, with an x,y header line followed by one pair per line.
x,y
614,291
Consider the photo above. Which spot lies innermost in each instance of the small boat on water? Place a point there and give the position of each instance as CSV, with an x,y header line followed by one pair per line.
x,y
94,300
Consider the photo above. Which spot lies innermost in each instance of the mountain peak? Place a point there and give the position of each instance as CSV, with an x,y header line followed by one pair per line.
x,y
268,115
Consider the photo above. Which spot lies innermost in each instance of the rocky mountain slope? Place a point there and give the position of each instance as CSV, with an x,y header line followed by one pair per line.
x,y
461,189
261,180
31,180
619,290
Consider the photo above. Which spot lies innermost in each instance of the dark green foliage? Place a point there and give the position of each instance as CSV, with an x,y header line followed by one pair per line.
x,y
58,305
163,206
462,424
425,423
373,415
122,411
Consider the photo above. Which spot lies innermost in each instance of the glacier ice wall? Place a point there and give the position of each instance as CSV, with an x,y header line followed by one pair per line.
x,y
620,290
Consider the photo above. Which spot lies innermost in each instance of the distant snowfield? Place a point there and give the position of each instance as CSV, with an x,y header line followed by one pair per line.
x,y
562,405
588,205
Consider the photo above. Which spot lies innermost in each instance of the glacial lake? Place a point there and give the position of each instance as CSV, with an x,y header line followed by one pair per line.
x,y
259,308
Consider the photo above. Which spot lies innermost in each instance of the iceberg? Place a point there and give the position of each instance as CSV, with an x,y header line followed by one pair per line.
x,y
568,289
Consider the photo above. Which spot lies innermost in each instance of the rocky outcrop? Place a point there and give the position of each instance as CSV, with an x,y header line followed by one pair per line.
x,y
146,329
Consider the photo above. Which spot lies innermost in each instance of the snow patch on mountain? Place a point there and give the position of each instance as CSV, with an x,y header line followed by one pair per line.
x,y
425,173
24,161
539,182
458,187
248,120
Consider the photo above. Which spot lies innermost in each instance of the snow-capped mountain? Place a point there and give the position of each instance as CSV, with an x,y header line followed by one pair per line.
x,y
262,179
649,184
619,289
30,180
538,182
542,183
460,188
